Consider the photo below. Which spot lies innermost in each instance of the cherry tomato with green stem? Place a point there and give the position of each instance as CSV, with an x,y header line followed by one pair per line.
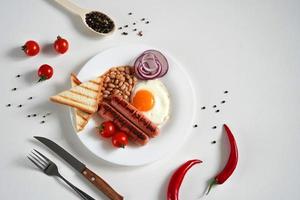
x,y
107,129
61,45
31,48
120,139
45,72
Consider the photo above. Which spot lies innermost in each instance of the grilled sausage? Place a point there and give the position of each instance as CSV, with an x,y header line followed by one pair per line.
x,y
107,112
134,115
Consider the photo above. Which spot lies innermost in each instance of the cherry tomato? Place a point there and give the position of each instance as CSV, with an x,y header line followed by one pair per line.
x,y
45,72
61,45
107,129
119,139
31,48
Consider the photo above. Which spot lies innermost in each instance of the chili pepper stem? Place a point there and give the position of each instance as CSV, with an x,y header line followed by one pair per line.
x,y
211,184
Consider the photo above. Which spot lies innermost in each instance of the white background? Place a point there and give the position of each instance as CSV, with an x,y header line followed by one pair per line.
x,y
250,48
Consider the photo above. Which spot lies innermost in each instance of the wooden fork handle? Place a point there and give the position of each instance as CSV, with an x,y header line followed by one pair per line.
x,y
101,185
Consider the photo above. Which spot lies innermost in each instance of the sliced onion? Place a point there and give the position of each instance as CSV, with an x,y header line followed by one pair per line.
x,y
162,59
151,64
149,75
150,59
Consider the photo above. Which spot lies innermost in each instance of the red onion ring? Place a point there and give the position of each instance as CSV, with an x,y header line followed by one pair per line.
x,y
150,64
162,59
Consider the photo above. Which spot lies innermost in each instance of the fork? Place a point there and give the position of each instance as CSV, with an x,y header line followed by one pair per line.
x,y
50,168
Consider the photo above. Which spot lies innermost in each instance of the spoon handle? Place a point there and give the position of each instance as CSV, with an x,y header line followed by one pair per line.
x,y
71,7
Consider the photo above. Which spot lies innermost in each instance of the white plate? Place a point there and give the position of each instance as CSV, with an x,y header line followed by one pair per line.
x,y
172,134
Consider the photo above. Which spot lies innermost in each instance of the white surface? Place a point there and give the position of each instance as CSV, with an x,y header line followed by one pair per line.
x,y
172,134
250,48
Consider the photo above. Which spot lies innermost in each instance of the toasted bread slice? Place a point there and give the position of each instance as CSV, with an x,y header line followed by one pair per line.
x,y
84,97
81,117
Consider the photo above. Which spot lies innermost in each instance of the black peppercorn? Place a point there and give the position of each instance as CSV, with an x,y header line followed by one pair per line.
x,y
140,33
125,26
8,105
214,106
18,76
214,127
133,23
42,122
20,105
28,116
14,89
214,142
34,115
217,111
147,22
29,98
203,108
124,33
143,19
223,101
130,13
120,28
99,22
225,92
195,126
134,29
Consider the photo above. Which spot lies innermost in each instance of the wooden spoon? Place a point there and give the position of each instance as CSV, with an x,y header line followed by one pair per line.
x,y
95,21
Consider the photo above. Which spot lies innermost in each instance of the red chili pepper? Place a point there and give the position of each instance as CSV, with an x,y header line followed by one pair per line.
x,y
177,178
231,163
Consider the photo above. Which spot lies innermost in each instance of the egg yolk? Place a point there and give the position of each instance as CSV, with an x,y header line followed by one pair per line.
x,y
143,100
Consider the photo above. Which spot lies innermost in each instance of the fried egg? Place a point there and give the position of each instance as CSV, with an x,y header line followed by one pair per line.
x,y
152,99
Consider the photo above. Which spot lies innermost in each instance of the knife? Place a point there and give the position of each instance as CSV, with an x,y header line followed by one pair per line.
x,y
81,168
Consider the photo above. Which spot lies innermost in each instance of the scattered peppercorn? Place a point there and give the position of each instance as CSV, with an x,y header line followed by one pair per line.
x,y
143,19
217,111
225,92
8,105
124,33
14,89
120,28
134,29
42,122
214,106
214,142
44,116
20,105
195,126
130,13
29,98
18,76
133,23
99,22
147,22
214,127
223,101
28,115
203,108
34,115
140,33
125,26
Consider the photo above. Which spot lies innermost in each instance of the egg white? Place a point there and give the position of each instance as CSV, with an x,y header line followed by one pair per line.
x,y
160,112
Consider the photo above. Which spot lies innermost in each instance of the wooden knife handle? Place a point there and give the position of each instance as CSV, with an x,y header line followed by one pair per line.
x,y
101,185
